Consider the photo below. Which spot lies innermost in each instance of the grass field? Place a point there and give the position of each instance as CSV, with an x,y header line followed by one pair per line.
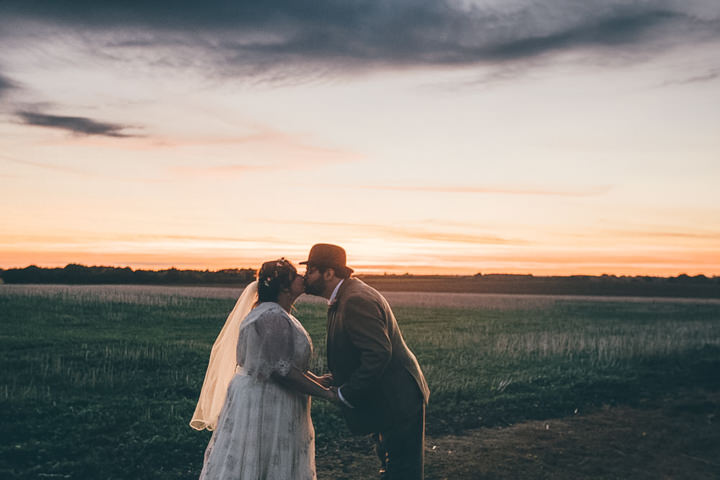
x,y
100,382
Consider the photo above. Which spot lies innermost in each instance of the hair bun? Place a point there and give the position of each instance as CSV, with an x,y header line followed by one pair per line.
x,y
274,277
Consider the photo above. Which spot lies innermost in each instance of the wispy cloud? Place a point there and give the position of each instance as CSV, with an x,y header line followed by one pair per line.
x,y
52,167
708,76
88,237
496,190
46,166
6,85
218,170
302,37
679,234
270,150
411,232
75,125
592,257
451,237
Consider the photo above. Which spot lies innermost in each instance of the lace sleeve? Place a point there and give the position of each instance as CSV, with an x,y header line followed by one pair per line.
x,y
270,346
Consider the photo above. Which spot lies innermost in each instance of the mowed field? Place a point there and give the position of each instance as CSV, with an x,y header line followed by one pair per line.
x,y
100,382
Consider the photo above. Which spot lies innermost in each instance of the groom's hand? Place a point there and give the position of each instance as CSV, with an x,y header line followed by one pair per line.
x,y
335,397
325,380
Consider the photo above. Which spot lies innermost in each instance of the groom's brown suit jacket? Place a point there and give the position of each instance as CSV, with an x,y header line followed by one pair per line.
x,y
370,362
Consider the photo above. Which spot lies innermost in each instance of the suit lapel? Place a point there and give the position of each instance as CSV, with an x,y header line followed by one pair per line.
x,y
333,323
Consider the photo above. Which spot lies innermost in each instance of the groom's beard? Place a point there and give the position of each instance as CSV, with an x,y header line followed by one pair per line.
x,y
315,288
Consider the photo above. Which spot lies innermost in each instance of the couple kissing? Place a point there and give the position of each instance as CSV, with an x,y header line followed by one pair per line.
x,y
257,388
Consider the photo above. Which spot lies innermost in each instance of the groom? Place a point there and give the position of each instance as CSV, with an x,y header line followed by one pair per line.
x,y
380,386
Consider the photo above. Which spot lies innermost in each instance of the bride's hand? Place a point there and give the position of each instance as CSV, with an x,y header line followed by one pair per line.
x,y
325,380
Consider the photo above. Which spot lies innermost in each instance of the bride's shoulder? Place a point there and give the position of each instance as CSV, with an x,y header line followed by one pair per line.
x,y
268,311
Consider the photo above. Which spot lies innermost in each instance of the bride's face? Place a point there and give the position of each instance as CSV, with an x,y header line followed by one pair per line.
x,y
297,287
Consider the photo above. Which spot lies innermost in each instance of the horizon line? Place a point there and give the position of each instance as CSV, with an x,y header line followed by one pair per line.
x,y
384,273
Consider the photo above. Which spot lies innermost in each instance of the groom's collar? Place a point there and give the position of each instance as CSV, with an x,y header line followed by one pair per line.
x,y
332,299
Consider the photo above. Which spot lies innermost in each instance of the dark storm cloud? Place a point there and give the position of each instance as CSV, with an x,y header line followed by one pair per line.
x,y
76,125
621,29
365,33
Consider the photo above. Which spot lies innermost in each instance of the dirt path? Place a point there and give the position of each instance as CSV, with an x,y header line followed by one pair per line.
x,y
673,439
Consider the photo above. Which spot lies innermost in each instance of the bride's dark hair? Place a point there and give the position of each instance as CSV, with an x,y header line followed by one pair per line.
x,y
274,277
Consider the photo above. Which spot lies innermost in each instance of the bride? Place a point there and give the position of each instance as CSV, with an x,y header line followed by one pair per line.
x,y
255,396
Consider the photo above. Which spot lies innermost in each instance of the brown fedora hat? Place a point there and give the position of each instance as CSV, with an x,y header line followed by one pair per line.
x,y
327,255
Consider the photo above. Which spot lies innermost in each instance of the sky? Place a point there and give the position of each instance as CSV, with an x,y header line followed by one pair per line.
x,y
549,137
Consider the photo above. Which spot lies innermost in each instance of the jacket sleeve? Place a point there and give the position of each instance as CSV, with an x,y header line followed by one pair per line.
x,y
367,329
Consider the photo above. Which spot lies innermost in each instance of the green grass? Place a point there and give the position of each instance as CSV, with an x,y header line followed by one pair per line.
x,y
103,386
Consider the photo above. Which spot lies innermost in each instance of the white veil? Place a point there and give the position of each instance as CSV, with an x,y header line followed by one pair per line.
x,y
221,366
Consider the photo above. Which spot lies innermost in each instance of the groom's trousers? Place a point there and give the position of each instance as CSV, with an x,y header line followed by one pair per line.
x,y
401,450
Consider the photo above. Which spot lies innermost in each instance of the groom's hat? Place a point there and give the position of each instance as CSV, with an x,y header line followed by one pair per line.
x,y
327,255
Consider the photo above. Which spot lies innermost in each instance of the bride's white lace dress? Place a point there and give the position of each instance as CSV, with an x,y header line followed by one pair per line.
x,y
264,430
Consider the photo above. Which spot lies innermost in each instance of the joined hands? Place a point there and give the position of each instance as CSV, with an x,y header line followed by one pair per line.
x,y
326,380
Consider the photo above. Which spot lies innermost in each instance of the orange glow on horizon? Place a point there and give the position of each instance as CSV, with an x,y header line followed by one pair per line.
x,y
379,249
706,263
383,250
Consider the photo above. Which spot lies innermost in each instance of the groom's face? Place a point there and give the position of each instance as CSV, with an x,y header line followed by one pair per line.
x,y
314,281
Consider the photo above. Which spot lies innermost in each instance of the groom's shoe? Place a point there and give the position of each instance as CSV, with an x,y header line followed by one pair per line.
x,y
382,455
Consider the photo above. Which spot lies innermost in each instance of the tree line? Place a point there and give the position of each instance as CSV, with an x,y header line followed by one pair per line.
x,y
698,286
681,285
81,274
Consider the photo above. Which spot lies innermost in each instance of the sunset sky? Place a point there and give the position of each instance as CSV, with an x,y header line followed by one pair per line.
x,y
425,136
